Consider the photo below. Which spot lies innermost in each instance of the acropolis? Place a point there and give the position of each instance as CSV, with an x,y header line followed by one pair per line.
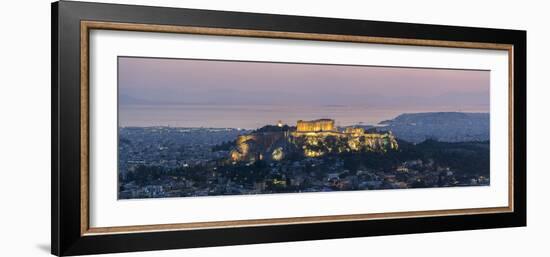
x,y
315,125
312,138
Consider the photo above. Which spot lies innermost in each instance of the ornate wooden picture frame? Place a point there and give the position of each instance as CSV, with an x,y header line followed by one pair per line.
x,y
72,23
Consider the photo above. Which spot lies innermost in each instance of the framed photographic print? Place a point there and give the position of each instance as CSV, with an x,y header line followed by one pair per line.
x,y
178,128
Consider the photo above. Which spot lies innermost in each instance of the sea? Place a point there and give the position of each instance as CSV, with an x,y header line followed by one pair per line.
x,y
256,116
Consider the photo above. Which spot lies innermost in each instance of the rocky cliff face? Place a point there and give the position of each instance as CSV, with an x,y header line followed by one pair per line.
x,y
266,144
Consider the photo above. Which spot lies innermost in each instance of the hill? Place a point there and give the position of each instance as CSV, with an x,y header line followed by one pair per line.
x,y
441,126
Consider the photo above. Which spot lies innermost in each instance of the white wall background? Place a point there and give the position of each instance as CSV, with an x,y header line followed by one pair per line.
x,y
25,127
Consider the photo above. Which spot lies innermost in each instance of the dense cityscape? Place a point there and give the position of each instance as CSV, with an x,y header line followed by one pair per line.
x,y
308,156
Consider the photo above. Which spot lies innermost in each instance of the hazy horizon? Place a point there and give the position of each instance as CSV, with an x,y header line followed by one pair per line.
x,y
236,94
291,123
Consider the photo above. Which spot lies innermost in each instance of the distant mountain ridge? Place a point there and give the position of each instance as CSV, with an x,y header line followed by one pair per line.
x,y
441,126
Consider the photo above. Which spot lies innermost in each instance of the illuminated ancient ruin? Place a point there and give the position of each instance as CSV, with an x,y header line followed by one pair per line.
x,y
315,125
312,138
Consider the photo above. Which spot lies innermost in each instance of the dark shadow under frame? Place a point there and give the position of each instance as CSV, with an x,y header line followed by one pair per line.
x,y
70,29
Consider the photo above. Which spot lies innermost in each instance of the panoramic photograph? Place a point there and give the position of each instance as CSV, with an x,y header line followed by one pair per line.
x,y
190,127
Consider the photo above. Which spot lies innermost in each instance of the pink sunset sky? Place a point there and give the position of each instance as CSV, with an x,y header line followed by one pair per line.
x,y
157,81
